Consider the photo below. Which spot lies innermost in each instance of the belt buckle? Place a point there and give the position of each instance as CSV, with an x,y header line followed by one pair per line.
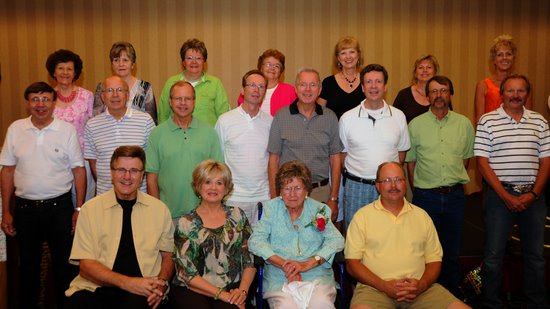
x,y
522,189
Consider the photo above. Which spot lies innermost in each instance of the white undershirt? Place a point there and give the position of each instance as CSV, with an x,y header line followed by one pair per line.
x,y
266,104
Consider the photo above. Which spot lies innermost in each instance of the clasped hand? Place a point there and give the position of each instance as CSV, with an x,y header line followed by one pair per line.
x,y
406,289
293,269
152,288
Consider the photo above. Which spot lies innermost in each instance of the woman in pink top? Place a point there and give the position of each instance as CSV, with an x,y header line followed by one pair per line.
x,y
502,55
74,104
278,94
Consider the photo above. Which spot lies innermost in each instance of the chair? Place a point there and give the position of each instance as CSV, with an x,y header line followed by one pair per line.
x,y
339,263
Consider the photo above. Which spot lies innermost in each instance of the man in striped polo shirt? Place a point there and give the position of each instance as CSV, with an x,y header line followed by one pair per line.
x,y
119,125
512,148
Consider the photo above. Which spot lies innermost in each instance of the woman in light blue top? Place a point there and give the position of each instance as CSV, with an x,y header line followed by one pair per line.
x,y
298,241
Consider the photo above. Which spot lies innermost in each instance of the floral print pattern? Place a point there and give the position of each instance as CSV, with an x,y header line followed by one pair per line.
x,y
218,255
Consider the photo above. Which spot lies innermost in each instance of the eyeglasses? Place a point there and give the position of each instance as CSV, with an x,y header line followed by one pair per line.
x,y
395,180
297,189
441,91
121,172
254,85
305,85
111,91
191,58
272,65
40,99
182,99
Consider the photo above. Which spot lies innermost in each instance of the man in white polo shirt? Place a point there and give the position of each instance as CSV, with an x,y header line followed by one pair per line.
x,y
372,133
243,134
40,158
119,125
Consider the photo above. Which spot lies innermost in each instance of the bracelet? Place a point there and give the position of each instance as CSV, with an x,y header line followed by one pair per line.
x,y
534,194
217,296
244,292
333,199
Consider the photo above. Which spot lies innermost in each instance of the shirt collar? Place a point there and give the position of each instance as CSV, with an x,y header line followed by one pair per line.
x,y
110,199
54,125
294,108
406,206
527,114
173,126
247,116
364,112
128,114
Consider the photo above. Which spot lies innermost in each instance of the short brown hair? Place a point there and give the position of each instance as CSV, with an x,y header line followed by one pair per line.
x,y
195,44
293,169
253,72
208,169
128,151
515,76
272,53
181,83
121,46
39,87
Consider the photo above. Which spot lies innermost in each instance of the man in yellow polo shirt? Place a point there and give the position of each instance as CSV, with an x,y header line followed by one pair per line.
x,y
393,251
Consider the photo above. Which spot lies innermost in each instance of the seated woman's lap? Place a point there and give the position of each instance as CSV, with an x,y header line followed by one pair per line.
x,y
182,297
323,297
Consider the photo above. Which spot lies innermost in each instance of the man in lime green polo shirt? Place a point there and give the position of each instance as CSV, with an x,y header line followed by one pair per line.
x,y
441,145
175,147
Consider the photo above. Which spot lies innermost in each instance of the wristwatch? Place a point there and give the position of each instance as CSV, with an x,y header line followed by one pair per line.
x,y
317,259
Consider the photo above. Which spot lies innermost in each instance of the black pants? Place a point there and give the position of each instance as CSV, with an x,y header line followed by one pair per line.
x,y
182,297
106,298
36,223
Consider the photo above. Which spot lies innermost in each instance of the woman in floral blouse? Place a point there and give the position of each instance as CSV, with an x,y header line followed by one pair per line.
x,y
298,241
213,266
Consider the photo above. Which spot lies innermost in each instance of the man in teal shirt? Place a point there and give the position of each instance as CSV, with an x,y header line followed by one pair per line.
x,y
175,148
211,99
441,145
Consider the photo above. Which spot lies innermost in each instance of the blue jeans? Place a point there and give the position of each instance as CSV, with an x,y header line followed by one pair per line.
x,y
447,213
498,222
357,195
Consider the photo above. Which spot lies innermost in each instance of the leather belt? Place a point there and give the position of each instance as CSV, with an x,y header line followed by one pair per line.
x,y
517,188
444,189
359,179
23,202
321,183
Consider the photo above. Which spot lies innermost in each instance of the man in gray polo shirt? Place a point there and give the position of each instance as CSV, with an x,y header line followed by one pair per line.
x,y
308,132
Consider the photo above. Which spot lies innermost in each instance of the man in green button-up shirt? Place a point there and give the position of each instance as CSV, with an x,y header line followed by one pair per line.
x,y
441,145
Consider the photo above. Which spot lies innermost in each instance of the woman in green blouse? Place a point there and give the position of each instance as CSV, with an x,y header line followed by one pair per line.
x,y
214,268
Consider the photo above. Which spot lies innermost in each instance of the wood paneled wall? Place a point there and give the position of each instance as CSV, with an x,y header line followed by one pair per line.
x,y
392,33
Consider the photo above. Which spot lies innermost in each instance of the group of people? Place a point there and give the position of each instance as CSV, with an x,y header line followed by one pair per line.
x,y
178,185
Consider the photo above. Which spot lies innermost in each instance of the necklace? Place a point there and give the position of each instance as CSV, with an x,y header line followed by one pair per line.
x,y
350,82
418,91
65,99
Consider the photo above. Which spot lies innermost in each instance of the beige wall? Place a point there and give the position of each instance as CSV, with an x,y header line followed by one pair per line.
x,y
392,33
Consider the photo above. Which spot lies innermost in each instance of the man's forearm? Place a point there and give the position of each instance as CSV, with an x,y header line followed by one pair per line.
x,y
79,174
272,167
167,266
153,185
335,173
100,274
362,274
7,187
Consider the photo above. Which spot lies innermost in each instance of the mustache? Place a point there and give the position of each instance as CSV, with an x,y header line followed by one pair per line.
x,y
395,190
519,100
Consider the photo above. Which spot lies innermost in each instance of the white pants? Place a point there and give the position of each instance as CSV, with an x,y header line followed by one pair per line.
x,y
322,298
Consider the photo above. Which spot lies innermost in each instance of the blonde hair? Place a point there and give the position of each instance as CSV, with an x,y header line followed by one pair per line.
x,y
347,42
427,57
209,169
503,40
